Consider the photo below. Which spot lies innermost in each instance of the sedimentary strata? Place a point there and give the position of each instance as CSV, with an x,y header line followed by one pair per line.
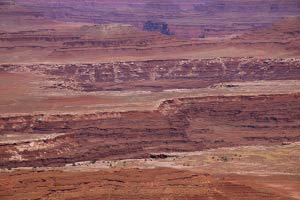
x,y
191,124
189,18
158,75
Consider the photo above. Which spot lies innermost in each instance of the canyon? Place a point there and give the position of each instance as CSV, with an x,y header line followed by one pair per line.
x,y
149,99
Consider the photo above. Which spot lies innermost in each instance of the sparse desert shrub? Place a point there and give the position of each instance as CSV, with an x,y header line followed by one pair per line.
x,y
224,158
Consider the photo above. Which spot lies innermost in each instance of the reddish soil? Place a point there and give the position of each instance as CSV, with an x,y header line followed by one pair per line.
x,y
160,183
80,100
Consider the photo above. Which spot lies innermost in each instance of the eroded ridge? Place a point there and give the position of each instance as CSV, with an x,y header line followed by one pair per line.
x,y
187,124
158,75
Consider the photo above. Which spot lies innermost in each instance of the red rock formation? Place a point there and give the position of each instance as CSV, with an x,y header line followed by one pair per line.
x,y
285,32
178,125
159,75
26,37
189,18
82,103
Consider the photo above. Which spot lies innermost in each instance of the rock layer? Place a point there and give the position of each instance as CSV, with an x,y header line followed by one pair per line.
x,y
158,75
178,125
189,18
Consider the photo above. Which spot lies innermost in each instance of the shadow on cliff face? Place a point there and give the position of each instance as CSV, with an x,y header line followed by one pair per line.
x,y
161,27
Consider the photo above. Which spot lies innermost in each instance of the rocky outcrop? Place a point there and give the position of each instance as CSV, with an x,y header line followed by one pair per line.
x,y
188,124
157,26
159,75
